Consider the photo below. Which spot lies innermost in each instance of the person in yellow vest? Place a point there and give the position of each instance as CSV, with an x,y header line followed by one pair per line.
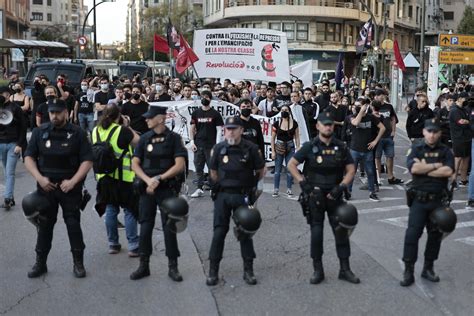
x,y
111,187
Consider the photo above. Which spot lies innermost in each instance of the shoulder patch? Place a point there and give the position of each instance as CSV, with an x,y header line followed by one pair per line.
x,y
409,152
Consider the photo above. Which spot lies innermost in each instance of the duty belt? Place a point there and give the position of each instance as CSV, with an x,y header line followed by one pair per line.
x,y
427,196
234,190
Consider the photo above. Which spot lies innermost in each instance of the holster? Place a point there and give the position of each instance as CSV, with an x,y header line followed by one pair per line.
x,y
410,197
252,195
215,188
311,202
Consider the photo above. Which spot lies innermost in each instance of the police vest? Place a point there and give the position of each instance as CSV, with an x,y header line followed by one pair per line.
x,y
58,152
423,182
159,154
326,167
235,168
127,174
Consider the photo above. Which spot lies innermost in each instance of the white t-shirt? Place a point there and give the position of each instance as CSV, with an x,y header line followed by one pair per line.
x,y
265,106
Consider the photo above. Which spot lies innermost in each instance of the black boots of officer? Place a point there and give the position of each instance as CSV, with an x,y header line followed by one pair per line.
x,y
249,277
173,271
78,260
408,274
318,275
143,269
39,268
345,272
428,272
213,277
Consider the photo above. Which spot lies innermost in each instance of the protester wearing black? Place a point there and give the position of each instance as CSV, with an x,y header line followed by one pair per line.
x,y
338,112
284,97
443,117
135,109
159,161
252,128
204,123
324,98
236,166
312,110
328,170
416,120
431,164
59,157
461,135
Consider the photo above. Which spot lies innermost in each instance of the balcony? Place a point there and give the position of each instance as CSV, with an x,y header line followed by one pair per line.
x,y
327,9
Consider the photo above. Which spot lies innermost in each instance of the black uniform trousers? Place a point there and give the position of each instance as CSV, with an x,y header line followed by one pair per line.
x,y
147,214
418,218
69,203
224,205
341,235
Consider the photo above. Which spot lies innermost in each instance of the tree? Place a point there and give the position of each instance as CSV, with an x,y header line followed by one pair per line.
x,y
466,26
155,21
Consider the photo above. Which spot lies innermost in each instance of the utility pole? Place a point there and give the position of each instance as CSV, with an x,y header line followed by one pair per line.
x,y
421,70
95,31
384,36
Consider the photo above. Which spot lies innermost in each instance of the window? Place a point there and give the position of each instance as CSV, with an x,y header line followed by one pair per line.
x,y
37,16
330,32
275,26
320,32
218,5
302,31
449,15
38,2
49,3
289,29
417,15
50,17
410,11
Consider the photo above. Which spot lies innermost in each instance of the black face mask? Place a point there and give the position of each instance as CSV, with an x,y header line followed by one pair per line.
x,y
17,90
285,114
50,97
205,102
460,89
465,103
127,95
246,112
136,96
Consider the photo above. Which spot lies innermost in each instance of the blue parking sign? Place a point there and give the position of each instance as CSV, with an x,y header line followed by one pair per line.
x,y
454,40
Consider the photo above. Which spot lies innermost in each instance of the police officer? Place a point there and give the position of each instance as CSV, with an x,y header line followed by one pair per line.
x,y
236,166
159,160
59,157
329,169
431,163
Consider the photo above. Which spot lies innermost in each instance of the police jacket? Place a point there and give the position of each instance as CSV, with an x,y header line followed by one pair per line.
x,y
324,164
14,131
59,151
157,152
236,165
416,121
431,154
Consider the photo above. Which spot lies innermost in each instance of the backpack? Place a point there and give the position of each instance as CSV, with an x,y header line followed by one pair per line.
x,y
104,160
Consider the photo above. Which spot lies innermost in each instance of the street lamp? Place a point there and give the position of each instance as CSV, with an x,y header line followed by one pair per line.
x,y
95,23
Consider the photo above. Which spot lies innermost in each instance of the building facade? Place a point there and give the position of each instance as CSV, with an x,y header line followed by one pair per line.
x,y
15,18
453,11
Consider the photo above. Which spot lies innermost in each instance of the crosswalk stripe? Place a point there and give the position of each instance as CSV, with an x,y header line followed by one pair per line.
x,y
402,221
404,207
467,240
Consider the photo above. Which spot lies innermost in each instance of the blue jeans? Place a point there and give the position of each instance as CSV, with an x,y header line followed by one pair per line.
x,y
471,176
367,158
279,163
9,159
86,121
111,213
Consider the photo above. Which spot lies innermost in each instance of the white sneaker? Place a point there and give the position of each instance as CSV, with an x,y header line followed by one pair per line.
x,y
289,193
197,193
275,193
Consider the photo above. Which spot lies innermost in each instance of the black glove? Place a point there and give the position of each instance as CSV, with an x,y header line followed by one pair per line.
x,y
337,191
215,187
306,187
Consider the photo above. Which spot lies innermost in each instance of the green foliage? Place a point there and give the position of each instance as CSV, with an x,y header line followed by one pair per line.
x,y
466,26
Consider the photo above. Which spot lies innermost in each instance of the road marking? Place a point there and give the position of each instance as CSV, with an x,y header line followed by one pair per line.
x,y
383,209
465,224
405,170
466,240
402,221
381,199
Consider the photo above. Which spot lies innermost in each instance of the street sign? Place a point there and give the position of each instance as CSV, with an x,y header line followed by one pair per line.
x,y
82,40
456,40
457,58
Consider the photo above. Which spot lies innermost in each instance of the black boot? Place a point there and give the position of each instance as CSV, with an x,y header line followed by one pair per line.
x,y
428,272
143,269
173,272
213,277
78,259
346,274
408,274
318,275
39,268
249,277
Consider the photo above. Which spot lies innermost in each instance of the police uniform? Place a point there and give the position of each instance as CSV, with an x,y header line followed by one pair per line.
x,y
425,195
324,167
236,168
59,152
157,153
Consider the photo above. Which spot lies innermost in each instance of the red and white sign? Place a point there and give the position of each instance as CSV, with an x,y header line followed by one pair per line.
x,y
256,54
82,40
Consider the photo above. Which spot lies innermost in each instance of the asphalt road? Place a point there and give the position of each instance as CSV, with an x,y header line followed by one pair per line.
x,y
283,266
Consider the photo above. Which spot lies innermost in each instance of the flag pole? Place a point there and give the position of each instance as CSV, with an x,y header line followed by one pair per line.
x,y
171,48
197,76
154,60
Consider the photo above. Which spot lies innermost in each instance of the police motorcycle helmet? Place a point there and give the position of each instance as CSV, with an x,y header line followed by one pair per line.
x,y
347,217
247,221
444,219
177,209
34,204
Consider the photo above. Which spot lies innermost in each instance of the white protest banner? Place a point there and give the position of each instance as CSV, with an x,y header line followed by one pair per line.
x,y
179,119
256,54
304,72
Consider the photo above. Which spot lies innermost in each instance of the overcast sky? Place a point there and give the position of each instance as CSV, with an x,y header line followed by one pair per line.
x,y
111,19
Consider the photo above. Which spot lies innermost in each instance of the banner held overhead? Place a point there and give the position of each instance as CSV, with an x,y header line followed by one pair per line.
x,y
256,54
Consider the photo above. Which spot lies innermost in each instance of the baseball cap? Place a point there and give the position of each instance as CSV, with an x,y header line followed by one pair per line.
x,y
233,122
325,118
432,125
57,105
154,111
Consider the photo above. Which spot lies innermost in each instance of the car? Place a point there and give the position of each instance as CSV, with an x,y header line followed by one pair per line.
x,y
320,75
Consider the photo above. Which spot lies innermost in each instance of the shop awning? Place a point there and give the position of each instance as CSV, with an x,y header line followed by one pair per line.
x,y
30,44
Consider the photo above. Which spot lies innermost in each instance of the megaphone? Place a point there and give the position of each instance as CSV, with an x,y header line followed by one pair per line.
x,y
6,117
